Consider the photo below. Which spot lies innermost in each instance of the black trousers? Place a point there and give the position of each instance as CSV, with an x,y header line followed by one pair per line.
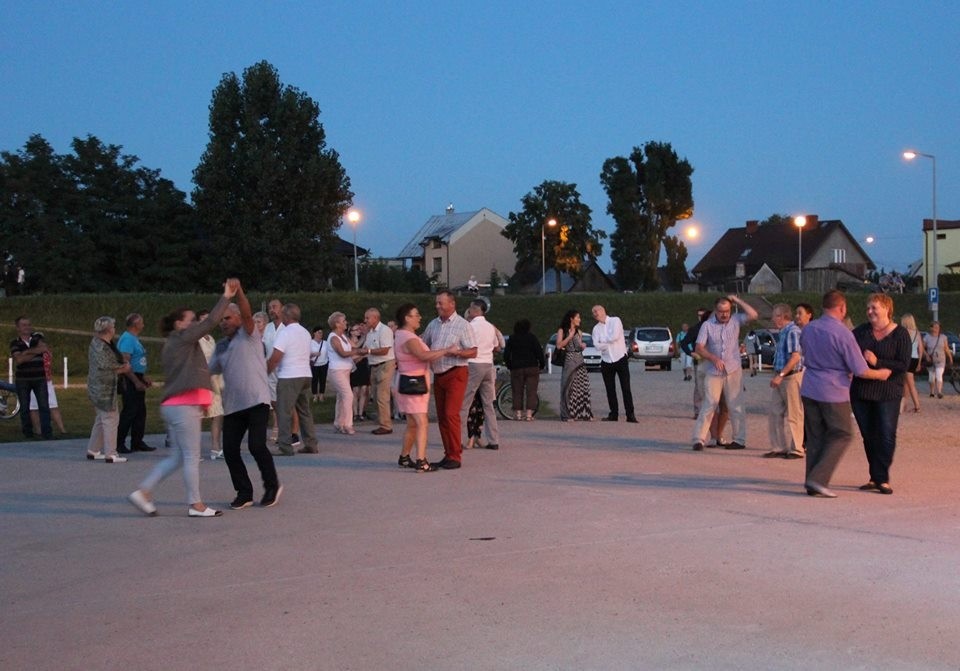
x,y
610,372
253,422
133,416
39,389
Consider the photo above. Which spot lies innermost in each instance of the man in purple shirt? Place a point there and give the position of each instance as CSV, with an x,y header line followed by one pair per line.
x,y
831,357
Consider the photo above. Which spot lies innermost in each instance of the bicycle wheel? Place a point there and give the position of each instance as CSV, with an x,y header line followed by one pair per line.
x,y
504,401
9,404
955,378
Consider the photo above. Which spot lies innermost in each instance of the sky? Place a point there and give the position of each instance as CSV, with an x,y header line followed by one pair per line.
x,y
781,108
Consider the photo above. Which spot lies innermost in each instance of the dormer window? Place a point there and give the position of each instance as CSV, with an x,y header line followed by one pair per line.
x,y
745,253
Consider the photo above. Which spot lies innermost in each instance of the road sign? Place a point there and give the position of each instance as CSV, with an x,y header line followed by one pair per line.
x,y
933,295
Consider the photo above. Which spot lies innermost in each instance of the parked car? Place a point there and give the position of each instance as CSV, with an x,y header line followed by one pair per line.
x,y
768,339
653,345
591,355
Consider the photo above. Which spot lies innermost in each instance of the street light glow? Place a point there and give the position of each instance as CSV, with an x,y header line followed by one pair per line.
x,y
909,155
353,216
691,232
800,221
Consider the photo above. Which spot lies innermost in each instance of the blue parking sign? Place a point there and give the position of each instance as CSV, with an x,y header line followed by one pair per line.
x,y
933,295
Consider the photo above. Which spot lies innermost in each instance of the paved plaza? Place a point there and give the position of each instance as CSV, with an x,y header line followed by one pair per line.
x,y
575,546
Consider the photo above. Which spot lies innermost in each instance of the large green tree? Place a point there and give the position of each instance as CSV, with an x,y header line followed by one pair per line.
x,y
92,220
569,244
269,192
647,194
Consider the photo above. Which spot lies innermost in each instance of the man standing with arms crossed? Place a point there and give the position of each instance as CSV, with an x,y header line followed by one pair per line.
x,y
831,356
614,363
246,402
27,350
383,364
449,373
718,345
785,404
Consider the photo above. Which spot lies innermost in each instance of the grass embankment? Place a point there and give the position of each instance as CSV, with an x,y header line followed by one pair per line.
x,y
66,321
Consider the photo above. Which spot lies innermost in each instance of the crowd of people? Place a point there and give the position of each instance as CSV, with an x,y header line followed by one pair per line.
x,y
267,367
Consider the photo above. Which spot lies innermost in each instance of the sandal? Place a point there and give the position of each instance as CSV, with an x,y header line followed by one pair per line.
x,y
405,461
423,466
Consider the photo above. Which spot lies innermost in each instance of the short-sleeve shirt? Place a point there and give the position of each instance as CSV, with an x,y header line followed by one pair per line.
x,y
831,357
31,369
294,341
240,361
441,334
377,338
723,341
130,344
788,343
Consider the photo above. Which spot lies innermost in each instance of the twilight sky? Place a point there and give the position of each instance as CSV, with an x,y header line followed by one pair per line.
x,y
780,107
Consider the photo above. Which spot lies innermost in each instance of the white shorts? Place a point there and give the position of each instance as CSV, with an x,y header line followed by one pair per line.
x,y
51,397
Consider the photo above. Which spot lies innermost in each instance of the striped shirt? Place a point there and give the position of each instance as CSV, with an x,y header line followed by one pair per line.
x,y
441,334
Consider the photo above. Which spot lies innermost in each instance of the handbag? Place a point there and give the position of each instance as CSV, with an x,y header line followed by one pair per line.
x,y
558,356
413,385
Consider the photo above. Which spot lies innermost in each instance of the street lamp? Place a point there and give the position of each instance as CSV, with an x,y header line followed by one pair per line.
x,y
800,222
543,254
910,155
353,217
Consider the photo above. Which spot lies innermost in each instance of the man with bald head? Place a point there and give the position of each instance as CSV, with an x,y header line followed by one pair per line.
x,y
290,359
246,402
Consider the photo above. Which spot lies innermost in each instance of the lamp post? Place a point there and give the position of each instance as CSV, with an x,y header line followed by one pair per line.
x,y
543,254
800,222
354,218
910,155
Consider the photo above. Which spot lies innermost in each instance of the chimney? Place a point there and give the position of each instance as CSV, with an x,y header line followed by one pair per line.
x,y
813,221
752,226
450,208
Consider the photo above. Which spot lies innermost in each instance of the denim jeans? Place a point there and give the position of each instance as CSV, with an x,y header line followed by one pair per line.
x,y
878,425
828,431
183,429
39,389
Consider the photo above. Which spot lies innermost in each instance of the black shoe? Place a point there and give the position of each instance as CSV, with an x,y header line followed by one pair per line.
x,y
143,447
884,488
241,502
609,418
734,446
123,449
698,447
773,454
406,462
271,496
493,446
632,419
447,464
819,490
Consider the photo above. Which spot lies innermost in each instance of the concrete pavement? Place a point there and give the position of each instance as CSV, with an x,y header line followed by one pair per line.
x,y
575,546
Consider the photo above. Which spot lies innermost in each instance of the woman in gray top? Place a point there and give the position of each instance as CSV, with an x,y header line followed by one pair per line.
x,y
186,391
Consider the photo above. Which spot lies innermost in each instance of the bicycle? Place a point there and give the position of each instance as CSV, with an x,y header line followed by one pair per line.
x,y
9,401
952,375
503,400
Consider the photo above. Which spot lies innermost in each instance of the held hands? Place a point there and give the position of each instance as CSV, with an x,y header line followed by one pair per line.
x,y
870,357
231,287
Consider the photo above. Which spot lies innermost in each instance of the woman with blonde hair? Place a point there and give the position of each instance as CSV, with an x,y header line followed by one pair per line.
x,y
341,357
938,353
916,354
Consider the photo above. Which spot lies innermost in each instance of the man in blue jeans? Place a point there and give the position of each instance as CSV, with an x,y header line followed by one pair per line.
x,y
27,350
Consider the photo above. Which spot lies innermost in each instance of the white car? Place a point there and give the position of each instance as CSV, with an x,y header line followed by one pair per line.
x,y
591,355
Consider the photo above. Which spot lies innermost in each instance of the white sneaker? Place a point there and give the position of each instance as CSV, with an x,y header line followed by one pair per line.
x,y
115,459
141,503
215,454
99,456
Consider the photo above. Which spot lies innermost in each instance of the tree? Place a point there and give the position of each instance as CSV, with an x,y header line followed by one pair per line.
x,y
269,193
92,221
648,193
568,246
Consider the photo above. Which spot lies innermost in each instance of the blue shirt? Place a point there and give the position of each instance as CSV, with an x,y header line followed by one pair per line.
x,y
831,357
130,344
788,344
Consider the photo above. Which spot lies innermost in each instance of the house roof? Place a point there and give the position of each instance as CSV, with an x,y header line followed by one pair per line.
x,y
343,248
439,227
774,244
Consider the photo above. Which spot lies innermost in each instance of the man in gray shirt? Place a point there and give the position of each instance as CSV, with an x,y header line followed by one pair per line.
x,y
246,402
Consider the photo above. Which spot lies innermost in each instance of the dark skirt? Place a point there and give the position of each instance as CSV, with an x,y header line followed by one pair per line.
x,y
361,376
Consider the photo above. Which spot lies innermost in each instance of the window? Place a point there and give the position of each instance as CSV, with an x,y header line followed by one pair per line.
x,y
438,264
839,256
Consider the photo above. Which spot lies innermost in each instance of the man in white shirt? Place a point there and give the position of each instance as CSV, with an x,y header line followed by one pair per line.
x,y
383,364
483,376
290,359
614,363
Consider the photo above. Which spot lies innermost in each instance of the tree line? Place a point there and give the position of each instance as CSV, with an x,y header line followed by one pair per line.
x,y
268,199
